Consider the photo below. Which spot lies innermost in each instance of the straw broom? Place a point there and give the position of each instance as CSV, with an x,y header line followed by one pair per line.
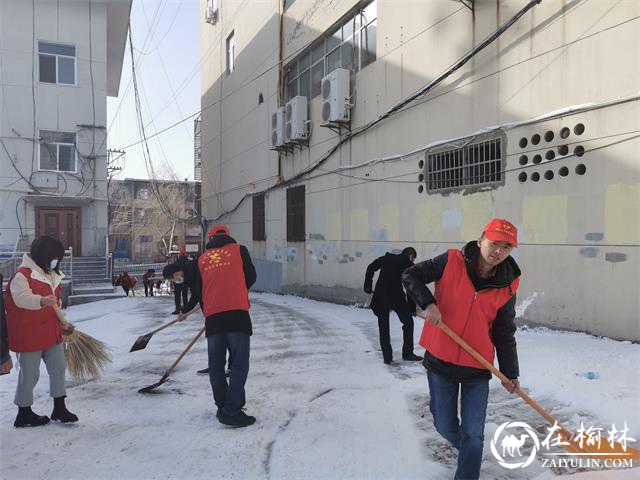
x,y
85,356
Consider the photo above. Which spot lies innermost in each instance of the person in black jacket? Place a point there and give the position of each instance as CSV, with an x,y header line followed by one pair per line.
x,y
389,295
180,289
185,274
475,296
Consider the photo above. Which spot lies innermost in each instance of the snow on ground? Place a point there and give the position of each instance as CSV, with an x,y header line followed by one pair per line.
x,y
327,407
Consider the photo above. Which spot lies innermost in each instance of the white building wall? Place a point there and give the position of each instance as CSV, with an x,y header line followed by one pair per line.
x,y
25,102
579,234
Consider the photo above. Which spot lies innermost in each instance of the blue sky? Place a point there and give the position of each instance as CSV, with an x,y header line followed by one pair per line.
x,y
166,43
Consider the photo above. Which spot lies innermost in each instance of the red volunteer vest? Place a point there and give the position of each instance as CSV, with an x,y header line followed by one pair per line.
x,y
467,312
223,283
32,330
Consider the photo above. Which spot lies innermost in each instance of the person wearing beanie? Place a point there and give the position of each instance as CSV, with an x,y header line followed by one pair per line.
x,y
35,333
389,295
475,296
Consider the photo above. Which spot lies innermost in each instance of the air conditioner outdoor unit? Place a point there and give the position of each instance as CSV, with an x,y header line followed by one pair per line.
x,y
211,14
335,97
277,127
296,120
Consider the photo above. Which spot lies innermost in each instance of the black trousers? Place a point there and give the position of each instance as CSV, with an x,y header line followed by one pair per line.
x,y
407,332
180,289
148,288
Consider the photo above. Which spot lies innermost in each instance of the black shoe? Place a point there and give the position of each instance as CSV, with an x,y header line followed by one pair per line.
x,y
27,418
176,312
387,362
60,412
240,420
204,371
412,358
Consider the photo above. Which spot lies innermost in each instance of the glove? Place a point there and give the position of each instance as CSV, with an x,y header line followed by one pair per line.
x,y
367,290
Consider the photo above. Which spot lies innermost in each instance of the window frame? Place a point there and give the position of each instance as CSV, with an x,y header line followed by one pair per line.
x,y
57,144
296,214
231,52
356,17
56,56
447,179
259,218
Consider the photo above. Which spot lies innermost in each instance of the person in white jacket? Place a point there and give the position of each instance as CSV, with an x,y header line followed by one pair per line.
x,y
35,333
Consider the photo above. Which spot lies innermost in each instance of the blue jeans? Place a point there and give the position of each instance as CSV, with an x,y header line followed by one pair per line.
x,y
229,396
466,435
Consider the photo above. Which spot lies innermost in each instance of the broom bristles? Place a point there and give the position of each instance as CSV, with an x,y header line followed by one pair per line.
x,y
86,357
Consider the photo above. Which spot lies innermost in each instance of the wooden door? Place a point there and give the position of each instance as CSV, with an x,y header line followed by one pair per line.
x,y
61,223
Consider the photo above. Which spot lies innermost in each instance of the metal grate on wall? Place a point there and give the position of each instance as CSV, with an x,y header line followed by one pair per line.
x,y
478,163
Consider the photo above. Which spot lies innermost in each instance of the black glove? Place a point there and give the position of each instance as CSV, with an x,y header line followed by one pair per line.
x,y
367,289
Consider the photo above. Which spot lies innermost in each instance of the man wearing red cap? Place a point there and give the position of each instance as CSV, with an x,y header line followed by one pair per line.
x,y
227,273
475,295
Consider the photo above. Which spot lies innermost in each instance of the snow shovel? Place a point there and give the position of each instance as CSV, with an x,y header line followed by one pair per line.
x,y
586,450
165,377
143,340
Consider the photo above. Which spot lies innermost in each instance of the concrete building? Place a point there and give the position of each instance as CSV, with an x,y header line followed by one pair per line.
x,y
141,230
59,60
383,144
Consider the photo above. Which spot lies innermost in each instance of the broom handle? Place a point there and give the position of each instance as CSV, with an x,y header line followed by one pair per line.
x,y
472,351
170,369
173,321
63,321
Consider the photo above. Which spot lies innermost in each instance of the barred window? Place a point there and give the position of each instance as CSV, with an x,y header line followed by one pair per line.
x,y
295,214
478,163
259,231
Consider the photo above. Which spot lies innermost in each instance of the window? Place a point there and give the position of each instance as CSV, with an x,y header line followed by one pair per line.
x,y
142,193
231,53
295,214
57,63
350,45
57,151
259,231
478,163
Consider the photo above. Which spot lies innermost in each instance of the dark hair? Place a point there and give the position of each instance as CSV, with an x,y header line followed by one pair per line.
x,y
151,270
169,270
410,251
44,249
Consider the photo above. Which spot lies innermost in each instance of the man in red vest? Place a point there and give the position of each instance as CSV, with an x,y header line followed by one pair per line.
x,y
227,273
475,295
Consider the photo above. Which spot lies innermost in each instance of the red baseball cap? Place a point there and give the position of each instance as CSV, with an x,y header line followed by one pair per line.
x,y
501,230
218,230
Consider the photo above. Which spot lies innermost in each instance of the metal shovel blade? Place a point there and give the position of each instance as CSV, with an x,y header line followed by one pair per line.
x,y
148,389
141,342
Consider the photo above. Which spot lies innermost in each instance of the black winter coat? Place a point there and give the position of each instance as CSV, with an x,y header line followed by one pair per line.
x,y
503,328
389,293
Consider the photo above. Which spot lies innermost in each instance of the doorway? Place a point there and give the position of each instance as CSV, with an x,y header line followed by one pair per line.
x,y
60,223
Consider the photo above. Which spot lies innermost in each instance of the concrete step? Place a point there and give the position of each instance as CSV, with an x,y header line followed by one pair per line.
x,y
92,288
88,298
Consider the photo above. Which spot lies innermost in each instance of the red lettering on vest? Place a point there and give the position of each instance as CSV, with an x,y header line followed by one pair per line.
x,y
223,284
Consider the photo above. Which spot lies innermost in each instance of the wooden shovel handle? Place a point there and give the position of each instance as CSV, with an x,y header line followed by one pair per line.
x,y
172,322
170,369
472,351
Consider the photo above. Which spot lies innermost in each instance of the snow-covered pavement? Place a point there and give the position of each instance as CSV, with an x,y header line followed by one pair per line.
x,y
326,405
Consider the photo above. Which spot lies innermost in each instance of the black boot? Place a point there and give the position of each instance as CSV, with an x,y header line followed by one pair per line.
x,y
60,412
27,418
